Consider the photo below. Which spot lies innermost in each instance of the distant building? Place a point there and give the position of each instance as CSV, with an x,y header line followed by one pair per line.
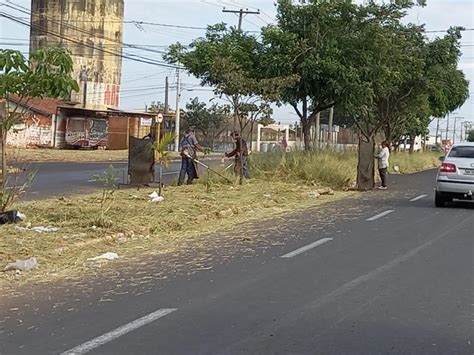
x,y
52,123
93,32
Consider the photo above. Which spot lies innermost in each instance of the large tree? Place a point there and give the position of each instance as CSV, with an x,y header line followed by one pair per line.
x,y
309,42
47,73
209,121
229,60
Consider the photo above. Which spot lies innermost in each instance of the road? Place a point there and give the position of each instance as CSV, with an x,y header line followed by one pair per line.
x,y
383,273
64,179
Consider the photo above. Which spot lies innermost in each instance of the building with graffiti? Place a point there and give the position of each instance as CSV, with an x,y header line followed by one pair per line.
x,y
51,123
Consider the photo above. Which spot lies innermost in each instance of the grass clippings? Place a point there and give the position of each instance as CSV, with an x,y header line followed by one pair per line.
x,y
138,227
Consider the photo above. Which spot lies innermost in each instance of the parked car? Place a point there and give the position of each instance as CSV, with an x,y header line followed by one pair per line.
x,y
455,178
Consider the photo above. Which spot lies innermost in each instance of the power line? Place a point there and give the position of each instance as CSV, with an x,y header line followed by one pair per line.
x,y
144,60
22,9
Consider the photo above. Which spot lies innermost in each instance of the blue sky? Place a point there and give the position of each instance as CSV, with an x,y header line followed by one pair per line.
x,y
144,83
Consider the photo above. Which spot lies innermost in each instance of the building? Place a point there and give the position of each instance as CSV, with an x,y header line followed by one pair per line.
x,y
93,32
51,123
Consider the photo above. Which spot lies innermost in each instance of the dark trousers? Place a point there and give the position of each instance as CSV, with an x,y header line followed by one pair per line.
x,y
383,176
187,167
241,170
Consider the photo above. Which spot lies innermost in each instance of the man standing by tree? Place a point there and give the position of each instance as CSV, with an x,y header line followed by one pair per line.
x,y
240,153
189,147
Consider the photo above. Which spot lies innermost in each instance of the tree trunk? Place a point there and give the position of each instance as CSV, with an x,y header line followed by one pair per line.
x,y
3,145
412,144
366,166
308,142
388,134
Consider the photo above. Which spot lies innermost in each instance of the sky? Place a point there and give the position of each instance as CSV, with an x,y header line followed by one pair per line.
x,y
144,83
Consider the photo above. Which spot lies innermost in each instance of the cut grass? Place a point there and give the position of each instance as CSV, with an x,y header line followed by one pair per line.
x,y
65,155
138,226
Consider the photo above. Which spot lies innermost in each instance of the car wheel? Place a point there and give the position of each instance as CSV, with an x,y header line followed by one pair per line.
x,y
440,201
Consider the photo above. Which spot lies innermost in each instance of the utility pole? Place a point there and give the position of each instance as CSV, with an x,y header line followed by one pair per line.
x,y
84,78
454,130
241,13
330,124
167,87
447,128
178,113
437,131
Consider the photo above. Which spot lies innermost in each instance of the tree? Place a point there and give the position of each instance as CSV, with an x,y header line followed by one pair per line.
x,y
470,136
229,60
47,73
156,107
309,42
209,121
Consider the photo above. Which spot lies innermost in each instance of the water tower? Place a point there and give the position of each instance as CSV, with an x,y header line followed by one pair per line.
x,y
92,30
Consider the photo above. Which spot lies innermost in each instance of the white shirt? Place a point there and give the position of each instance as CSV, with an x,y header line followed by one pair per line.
x,y
383,157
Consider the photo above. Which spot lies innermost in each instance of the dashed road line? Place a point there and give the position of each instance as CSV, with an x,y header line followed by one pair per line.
x,y
307,247
116,333
380,215
418,198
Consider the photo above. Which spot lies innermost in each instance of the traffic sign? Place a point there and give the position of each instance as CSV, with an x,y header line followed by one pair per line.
x,y
159,117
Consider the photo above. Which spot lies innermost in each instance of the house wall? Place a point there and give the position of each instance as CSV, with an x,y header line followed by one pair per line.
x,y
36,130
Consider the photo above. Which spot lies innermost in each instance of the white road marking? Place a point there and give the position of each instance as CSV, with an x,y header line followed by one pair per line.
x,y
418,198
114,334
380,215
307,247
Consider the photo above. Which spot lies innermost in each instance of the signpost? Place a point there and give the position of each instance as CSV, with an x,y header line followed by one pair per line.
x,y
159,120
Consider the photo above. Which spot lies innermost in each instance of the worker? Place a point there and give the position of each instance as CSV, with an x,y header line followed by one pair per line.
x,y
240,154
189,147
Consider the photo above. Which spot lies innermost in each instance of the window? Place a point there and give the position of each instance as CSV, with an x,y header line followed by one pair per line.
x,y
462,152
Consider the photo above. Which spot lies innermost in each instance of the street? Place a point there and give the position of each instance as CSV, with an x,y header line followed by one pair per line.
x,y
382,273
65,179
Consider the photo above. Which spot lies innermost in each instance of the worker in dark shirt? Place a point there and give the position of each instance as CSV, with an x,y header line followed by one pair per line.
x,y
189,147
240,154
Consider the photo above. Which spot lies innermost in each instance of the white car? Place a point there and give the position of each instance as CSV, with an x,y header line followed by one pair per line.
x,y
455,178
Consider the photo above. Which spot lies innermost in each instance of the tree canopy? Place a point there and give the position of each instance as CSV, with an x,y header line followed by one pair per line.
x,y
377,70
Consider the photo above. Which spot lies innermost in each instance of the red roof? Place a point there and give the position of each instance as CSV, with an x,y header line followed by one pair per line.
x,y
45,106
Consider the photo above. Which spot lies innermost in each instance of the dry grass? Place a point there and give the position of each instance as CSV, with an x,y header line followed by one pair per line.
x,y
187,213
328,168
337,170
412,163
64,155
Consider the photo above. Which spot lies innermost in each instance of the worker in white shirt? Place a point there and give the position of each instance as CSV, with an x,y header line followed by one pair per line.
x,y
383,156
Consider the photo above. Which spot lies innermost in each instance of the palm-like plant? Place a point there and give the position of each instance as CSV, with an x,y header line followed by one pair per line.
x,y
161,148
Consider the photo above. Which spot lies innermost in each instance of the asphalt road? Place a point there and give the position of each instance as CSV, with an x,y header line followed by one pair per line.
x,y
384,273
64,179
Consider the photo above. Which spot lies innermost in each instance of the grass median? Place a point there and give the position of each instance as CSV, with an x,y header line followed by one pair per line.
x,y
129,224
137,226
